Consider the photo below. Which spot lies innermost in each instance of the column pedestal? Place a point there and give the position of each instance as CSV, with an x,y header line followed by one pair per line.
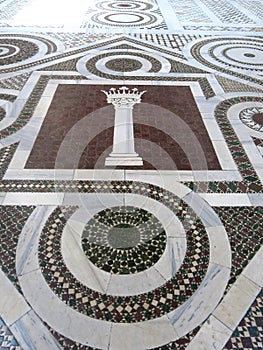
x,y
123,152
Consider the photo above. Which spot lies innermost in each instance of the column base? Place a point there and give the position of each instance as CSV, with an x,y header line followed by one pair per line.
x,y
124,159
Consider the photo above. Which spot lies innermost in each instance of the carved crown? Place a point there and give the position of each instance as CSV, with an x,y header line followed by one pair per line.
x,y
123,96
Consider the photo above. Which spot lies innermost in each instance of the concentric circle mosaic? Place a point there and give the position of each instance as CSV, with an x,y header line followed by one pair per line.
x,y
253,118
97,310
179,288
234,55
125,5
16,50
124,240
115,63
127,19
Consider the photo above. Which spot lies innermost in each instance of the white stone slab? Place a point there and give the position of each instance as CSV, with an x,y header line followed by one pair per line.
x,y
134,284
235,304
254,270
26,254
62,318
29,198
31,334
199,306
202,209
99,174
77,262
224,156
143,335
37,174
256,199
165,179
226,199
218,240
12,304
212,336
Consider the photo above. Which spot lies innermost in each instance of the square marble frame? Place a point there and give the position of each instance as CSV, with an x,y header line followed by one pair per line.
x,y
28,135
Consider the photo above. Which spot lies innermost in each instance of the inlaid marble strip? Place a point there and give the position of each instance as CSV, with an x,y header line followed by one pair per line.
x,y
226,317
251,183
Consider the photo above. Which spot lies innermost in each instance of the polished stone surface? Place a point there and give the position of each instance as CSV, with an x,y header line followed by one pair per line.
x,y
165,254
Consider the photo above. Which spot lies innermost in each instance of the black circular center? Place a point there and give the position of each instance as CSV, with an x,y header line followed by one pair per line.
x,y
124,240
258,118
123,65
123,236
247,54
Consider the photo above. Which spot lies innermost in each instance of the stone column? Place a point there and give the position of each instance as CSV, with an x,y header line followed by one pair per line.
x,y
123,152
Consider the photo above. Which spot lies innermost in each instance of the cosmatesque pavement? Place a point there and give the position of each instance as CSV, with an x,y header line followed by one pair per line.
x,y
131,204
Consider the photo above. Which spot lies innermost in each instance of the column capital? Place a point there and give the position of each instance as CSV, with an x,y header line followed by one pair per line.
x,y
123,97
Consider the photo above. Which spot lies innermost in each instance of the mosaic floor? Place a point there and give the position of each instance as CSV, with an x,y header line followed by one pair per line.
x,y
131,203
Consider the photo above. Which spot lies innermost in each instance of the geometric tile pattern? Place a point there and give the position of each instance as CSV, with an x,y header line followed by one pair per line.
x,y
124,309
249,332
244,226
121,240
212,50
223,9
7,340
12,221
251,182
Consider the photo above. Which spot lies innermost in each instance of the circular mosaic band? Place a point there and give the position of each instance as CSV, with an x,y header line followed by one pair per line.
x,y
127,19
113,308
16,50
125,6
237,56
116,63
118,284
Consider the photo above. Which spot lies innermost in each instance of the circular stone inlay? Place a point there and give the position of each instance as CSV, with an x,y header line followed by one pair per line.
x,y
258,118
123,65
123,236
124,18
124,240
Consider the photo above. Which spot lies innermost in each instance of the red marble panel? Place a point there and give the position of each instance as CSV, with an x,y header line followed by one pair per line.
x,y
78,130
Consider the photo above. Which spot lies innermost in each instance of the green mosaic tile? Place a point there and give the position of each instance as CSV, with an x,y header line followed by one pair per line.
x,y
123,240
12,220
244,226
249,333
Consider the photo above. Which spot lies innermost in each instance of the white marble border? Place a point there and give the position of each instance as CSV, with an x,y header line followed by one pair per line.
x,y
219,327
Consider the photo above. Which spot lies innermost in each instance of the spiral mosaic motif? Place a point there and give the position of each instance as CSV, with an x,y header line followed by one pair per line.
x,y
96,309
253,118
124,240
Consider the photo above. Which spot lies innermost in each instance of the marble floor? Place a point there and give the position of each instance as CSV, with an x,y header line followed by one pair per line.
x,y
131,203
